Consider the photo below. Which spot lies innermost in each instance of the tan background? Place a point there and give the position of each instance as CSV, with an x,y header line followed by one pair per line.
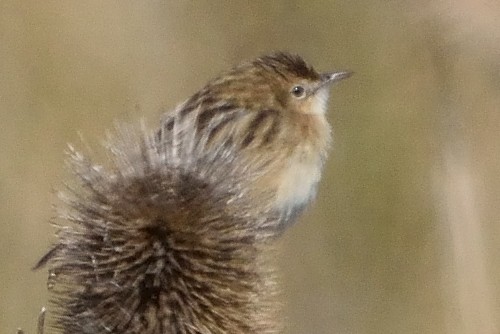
x,y
405,234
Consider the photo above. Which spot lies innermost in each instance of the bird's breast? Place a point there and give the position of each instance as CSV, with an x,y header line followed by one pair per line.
x,y
301,170
299,180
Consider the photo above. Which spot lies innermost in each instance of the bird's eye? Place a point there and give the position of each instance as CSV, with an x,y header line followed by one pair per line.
x,y
298,92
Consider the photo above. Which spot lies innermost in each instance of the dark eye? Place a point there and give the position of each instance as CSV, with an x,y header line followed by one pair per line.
x,y
299,92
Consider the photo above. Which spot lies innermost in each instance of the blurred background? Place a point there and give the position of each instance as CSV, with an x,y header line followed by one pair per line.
x,y
404,236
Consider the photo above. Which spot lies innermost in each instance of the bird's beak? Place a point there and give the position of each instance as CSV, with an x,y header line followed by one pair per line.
x,y
329,78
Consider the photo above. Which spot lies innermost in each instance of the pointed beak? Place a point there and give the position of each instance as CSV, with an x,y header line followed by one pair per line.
x,y
329,78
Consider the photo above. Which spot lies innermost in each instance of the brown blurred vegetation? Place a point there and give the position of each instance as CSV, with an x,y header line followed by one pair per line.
x,y
405,234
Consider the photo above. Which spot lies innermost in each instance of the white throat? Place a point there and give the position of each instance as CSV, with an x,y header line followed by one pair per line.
x,y
320,100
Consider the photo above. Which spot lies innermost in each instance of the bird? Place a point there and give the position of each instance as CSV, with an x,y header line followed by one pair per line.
x,y
273,106
170,234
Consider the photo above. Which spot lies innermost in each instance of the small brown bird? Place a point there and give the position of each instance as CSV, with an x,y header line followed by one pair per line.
x,y
272,107
168,236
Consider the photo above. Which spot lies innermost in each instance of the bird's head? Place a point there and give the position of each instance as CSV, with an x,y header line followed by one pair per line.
x,y
282,81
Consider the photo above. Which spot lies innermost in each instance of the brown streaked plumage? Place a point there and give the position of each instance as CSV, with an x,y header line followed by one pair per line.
x,y
262,116
170,237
